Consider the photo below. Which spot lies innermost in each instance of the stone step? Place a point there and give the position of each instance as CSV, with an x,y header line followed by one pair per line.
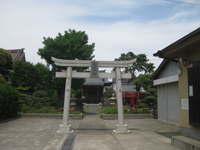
x,y
185,143
91,105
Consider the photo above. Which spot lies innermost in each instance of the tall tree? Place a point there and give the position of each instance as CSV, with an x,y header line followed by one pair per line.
x,y
141,65
6,63
72,45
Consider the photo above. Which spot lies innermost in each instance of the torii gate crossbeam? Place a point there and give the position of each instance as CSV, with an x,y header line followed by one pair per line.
x,y
69,74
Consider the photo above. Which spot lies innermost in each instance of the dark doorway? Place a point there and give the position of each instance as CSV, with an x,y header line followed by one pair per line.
x,y
194,93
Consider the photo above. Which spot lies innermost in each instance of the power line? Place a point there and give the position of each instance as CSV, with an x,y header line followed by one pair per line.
x,y
183,2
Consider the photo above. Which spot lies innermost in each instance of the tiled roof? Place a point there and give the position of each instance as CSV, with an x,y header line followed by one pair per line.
x,y
17,54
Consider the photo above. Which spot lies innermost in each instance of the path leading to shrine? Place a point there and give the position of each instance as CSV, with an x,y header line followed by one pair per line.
x,y
93,133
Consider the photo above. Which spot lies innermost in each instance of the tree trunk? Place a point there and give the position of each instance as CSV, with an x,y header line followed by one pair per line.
x,y
60,101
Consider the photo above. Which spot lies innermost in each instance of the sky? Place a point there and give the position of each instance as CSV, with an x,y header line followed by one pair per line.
x,y
115,26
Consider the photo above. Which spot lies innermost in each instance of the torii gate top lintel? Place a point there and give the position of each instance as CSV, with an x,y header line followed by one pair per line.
x,y
87,63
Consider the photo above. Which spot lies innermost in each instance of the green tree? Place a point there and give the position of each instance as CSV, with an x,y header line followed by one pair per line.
x,y
6,63
143,80
72,45
150,101
43,72
25,75
109,92
141,65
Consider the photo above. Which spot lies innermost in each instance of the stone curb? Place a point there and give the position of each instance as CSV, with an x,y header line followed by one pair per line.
x,y
55,116
127,116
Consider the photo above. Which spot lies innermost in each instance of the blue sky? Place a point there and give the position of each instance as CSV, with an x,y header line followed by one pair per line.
x,y
140,26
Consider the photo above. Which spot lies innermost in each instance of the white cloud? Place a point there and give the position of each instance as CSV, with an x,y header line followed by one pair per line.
x,y
25,23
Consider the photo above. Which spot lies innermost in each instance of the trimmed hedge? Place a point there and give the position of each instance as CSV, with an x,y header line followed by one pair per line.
x,y
8,100
40,98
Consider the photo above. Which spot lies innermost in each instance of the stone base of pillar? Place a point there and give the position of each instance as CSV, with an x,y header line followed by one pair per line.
x,y
121,129
65,129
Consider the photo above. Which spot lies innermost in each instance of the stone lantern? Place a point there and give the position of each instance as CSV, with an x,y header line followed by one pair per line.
x,y
73,101
113,100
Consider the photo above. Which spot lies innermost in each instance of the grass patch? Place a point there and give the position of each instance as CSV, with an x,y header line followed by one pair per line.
x,y
110,110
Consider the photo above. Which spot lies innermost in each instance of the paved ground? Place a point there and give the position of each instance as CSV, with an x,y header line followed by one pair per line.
x,y
92,132
32,134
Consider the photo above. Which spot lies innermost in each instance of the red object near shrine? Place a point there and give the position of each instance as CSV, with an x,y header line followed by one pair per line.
x,y
133,96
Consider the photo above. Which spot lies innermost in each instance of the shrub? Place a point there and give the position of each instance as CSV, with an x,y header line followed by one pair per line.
x,y
2,79
8,100
39,99
110,110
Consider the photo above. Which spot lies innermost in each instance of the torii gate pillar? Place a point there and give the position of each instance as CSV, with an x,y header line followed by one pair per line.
x,y
66,127
120,127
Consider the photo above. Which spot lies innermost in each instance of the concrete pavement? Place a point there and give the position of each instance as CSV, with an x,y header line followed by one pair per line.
x,y
92,133
32,134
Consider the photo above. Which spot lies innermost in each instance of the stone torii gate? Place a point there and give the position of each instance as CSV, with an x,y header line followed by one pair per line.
x,y
69,74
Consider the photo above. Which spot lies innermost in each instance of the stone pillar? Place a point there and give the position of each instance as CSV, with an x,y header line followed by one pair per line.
x,y
120,127
66,127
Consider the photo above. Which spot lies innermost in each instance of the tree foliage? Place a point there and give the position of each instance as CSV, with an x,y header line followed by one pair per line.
x,y
72,45
25,74
150,101
8,100
6,63
141,65
2,79
43,72
143,80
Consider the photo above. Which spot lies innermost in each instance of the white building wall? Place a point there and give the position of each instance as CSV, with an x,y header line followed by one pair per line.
x,y
169,70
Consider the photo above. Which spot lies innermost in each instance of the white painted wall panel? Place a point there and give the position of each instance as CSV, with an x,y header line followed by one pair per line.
x,y
162,102
168,102
173,102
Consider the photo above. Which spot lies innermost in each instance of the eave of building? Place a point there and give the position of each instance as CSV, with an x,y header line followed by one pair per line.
x,y
17,54
166,80
182,48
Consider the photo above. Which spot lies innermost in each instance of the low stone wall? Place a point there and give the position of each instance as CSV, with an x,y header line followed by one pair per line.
x,y
127,116
55,116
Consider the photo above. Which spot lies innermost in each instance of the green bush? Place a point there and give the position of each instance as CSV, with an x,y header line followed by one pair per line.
x,y
2,79
110,110
8,100
40,93
40,98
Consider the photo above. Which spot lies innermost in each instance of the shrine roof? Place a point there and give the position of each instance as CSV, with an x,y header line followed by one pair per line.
x,y
17,54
